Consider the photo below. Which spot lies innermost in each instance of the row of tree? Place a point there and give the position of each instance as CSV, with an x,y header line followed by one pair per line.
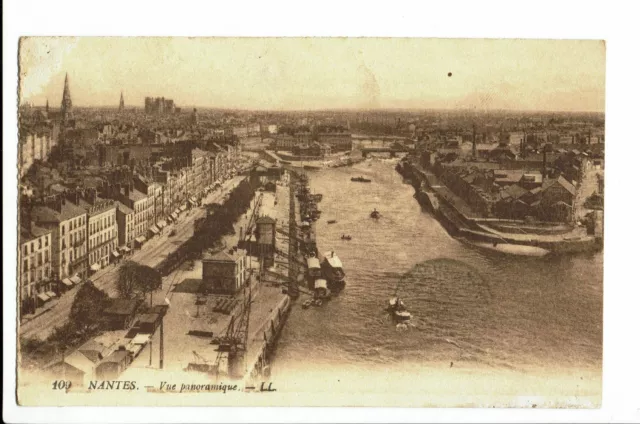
x,y
218,222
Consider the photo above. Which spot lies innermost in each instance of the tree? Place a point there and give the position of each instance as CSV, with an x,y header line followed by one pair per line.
x,y
148,280
87,307
135,278
126,279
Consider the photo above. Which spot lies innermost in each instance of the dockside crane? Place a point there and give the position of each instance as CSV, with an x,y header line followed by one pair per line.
x,y
234,343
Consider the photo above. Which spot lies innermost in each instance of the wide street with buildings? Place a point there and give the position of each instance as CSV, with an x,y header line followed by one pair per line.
x,y
151,253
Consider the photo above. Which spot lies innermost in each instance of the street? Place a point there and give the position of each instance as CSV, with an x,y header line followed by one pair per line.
x,y
152,252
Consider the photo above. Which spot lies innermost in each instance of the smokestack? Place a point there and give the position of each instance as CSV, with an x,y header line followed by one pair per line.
x,y
544,163
473,141
91,196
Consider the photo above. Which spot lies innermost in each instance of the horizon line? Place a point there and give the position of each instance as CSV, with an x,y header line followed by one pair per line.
x,y
338,109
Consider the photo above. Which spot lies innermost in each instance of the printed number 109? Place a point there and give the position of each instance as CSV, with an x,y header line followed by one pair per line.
x,y
61,385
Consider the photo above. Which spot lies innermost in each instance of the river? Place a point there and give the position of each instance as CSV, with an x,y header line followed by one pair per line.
x,y
473,310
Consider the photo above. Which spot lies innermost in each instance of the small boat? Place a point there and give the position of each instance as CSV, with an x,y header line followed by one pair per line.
x,y
331,221
311,168
360,180
316,197
346,237
375,214
332,269
397,309
306,303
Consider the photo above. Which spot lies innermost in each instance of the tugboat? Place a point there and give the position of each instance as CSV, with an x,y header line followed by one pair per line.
x,y
375,214
346,237
360,180
397,310
332,270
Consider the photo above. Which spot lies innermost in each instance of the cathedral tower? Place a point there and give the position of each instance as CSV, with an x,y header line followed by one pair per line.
x,y
66,106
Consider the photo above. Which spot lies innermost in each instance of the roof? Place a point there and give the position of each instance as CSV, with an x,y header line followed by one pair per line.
x,y
320,284
100,205
78,360
67,212
333,260
225,256
507,175
313,262
198,152
32,233
148,318
121,307
117,357
136,195
265,219
93,350
567,185
123,208
514,191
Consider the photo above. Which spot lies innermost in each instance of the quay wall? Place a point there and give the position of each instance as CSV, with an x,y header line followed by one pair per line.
x,y
264,343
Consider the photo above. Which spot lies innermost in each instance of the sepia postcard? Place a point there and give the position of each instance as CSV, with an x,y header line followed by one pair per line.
x,y
397,222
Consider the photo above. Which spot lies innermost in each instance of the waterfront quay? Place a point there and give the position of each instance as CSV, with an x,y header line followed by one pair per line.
x,y
194,326
462,220
56,312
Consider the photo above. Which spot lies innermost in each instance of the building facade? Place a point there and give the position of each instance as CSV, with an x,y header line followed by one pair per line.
x,y
225,272
34,259
68,224
126,227
102,230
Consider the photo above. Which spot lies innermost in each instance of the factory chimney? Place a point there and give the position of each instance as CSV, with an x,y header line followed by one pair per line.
x,y
544,162
473,141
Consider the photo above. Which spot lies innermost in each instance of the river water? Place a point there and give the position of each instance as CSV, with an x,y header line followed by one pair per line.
x,y
472,309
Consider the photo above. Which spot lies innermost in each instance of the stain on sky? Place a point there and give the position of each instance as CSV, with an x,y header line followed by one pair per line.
x,y
369,88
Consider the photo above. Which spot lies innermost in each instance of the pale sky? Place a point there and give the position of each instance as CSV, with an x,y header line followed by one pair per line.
x,y
317,73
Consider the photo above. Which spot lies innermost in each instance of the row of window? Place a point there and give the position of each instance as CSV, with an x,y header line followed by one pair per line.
x,y
37,261
101,224
102,252
74,223
102,238
39,243
36,275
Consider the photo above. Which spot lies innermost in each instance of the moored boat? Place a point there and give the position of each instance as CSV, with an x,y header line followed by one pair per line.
x,y
360,180
331,221
313,268
332,269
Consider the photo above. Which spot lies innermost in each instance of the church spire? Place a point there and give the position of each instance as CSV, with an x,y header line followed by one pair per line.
x,y
121,108
66,106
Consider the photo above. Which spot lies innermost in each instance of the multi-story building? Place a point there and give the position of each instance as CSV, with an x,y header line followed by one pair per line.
x,y
126,227
154,194
68,224
338,140
141,206
225,272
159,105
34,145
34,259
198,163
102,229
